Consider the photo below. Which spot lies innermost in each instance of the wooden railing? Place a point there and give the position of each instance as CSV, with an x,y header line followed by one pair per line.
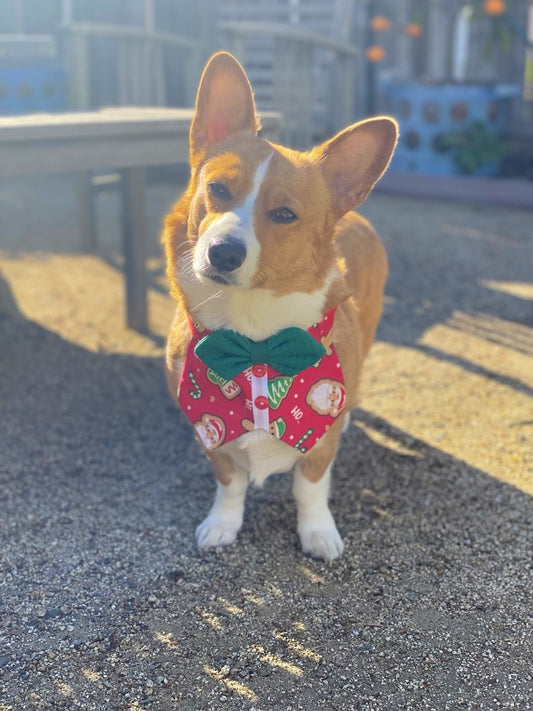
x,y
292,74
140,63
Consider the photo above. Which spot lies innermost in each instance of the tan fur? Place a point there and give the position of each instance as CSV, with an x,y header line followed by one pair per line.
x,y
320,187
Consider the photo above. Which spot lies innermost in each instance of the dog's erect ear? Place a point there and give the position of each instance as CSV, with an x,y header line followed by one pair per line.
x,y
354,159
224,104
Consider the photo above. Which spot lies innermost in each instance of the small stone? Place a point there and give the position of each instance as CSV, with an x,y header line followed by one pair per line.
x,y
52,612
174,575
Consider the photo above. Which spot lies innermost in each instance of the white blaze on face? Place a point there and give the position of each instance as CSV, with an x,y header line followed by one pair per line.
x,y
238,223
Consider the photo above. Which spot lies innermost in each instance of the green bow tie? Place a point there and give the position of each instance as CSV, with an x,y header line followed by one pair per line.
x,y
289,351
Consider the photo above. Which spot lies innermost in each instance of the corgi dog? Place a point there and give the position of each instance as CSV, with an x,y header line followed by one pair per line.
x,y
279,291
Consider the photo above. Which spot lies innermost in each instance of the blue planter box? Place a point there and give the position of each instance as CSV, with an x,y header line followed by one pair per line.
x,y
29,88
426,112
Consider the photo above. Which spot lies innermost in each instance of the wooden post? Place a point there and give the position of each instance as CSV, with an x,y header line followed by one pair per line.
x,y
371,68
66,18
86,211
78,70
347,92
18,12
134,247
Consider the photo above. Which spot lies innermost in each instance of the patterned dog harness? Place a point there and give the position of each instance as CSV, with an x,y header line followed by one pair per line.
x,y
297,408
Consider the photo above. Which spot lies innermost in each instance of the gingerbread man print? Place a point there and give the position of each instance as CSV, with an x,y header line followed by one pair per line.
x,y
277,427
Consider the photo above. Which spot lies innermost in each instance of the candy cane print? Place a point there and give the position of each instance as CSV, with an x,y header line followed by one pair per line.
x,y
302,439
196,393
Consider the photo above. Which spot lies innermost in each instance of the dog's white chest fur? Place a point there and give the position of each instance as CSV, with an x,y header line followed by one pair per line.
x,y
260,454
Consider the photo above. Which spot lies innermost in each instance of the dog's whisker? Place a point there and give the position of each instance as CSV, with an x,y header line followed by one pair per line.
x,y
185,264
216,295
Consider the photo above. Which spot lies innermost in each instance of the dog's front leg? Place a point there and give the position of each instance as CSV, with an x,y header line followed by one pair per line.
x,y
224,521
316,527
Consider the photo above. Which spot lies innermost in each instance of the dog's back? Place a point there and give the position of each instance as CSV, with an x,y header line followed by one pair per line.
x,y
365,271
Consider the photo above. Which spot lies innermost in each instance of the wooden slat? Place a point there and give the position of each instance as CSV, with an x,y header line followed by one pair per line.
x,y
122,121
95,29
51,156
248,29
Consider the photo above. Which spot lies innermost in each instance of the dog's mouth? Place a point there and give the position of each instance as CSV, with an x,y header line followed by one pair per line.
x,y
218,279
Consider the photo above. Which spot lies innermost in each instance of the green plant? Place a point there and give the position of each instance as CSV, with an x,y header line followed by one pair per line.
x,y
473,147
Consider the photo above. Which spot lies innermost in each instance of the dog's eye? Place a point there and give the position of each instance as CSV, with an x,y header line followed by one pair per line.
x,y
282,215
220,191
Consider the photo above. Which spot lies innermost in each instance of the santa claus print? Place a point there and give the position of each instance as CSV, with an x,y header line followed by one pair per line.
x,y
327,397
211,430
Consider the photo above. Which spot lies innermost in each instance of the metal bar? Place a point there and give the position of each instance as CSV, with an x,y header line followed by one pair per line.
x,y
135,33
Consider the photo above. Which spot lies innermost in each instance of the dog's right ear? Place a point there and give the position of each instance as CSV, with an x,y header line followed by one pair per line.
x,y
224,105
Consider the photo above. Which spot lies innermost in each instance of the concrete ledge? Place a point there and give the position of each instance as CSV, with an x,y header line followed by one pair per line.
x,y
495,191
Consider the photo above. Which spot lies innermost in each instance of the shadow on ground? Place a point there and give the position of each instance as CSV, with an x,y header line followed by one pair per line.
x,y
469,269
105,602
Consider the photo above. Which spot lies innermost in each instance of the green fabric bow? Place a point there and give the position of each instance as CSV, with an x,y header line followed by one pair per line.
x,y
229,353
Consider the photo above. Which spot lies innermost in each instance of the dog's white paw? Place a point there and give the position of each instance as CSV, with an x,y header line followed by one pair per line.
x,y
324,543
214,531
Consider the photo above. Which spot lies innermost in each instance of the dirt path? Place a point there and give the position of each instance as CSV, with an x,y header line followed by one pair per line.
x,y
105,603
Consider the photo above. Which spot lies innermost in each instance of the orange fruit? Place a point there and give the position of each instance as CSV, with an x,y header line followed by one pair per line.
x,y
375,53
414,29
380,23
494,7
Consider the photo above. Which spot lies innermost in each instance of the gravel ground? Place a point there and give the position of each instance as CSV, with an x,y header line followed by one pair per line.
x,y
105,603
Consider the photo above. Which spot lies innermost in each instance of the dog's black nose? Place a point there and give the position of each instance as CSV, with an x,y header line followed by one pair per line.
x,y
226,254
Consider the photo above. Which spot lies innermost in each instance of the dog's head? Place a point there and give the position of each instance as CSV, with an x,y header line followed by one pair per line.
x,y
258,215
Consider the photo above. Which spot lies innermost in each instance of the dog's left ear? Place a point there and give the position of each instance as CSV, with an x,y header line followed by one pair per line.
x,y
224,104
355,159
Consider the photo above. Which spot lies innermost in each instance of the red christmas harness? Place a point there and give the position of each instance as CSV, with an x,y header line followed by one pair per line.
x,y
297,409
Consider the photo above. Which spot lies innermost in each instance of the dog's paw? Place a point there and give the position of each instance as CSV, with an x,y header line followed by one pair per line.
x,y
214,531
347,422
323,543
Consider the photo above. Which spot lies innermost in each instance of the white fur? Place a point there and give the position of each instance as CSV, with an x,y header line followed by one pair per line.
x,y
261,454
316,527
256,313
224,521
239,223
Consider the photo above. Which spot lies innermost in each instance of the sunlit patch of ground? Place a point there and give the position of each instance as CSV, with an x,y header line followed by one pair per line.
x,y
459,392
81,298
522,290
